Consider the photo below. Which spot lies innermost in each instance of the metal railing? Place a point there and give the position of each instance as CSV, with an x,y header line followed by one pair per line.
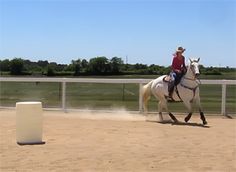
x,y
141,82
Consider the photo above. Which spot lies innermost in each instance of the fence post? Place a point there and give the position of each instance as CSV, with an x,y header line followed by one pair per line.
x,y
140,98
63,98
223,101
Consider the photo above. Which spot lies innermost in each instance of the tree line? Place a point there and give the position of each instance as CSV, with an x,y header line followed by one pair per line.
x,y
94,66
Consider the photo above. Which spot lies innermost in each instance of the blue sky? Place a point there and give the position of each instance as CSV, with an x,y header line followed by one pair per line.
x,y
145,31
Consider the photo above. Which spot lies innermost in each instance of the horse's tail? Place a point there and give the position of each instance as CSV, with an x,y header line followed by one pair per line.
x,y
146,94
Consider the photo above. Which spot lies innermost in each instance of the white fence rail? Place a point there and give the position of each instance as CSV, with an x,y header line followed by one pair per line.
x,y
63,82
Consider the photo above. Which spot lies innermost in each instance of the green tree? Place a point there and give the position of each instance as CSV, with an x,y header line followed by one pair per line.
x,y
31,67
4,65
116,65
16,66
76,66
42,63
50,70
84,65
139,66
99,65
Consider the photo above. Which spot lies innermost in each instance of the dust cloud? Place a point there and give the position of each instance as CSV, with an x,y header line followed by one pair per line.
x,y
111,114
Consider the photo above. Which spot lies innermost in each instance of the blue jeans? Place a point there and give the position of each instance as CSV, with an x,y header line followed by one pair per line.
x,y
176,77
173,76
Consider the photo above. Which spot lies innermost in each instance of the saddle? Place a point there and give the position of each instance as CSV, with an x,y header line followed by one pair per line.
x,y
167,79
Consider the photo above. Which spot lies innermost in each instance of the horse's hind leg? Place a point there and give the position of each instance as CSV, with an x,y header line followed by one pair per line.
x,y
187,118
164,104
145,109
145,103
160,111
173,117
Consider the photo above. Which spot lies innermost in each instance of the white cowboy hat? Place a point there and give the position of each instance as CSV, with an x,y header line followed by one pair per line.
x,y
180,50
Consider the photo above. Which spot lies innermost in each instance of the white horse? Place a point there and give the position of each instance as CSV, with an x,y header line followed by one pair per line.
x,y
187,91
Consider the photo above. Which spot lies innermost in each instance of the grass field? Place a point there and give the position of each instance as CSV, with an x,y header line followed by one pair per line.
x,y
105,96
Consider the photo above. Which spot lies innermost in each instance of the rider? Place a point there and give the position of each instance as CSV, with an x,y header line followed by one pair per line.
x,y
178,69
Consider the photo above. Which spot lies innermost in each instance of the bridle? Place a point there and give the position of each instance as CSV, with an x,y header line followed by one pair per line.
x,y
195,79
193,73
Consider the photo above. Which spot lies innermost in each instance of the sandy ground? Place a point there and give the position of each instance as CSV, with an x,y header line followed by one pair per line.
x,y
79,141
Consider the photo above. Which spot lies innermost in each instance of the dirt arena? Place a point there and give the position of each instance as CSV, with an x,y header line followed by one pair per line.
x,y
120,142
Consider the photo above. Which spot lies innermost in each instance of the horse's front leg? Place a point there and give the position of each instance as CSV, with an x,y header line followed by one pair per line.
x,y
203,118
188,104
200,111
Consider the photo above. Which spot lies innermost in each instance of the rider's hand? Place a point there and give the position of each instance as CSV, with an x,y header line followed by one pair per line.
x,y
178,71
184,70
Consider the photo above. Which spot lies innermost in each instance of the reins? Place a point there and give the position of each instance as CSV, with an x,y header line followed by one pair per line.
x,y
192,89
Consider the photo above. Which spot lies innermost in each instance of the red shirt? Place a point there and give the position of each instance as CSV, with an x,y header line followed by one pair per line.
x,y
178,63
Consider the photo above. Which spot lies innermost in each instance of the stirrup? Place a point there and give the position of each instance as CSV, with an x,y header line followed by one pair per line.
x,y
170,99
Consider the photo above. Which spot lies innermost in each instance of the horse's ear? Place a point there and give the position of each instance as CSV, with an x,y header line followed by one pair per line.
x,y
198,59
190,60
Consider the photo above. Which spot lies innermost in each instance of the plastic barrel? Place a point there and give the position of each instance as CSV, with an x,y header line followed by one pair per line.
x,y
29,122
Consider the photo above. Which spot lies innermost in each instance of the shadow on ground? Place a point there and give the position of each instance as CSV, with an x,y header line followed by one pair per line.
x,y
192,124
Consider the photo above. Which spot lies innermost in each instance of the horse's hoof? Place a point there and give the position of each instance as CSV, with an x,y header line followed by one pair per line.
x,y
204,122
186,119
175,120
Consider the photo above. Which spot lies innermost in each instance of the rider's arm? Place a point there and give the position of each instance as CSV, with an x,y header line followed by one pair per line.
x,y
184,62
184,69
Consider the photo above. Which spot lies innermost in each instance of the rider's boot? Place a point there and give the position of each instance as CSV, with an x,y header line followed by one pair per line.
x,y
171,86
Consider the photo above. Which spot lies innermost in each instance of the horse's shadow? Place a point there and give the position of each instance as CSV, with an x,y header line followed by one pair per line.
x,y
192,124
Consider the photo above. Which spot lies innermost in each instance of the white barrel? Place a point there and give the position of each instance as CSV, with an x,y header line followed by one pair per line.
x,y
29,122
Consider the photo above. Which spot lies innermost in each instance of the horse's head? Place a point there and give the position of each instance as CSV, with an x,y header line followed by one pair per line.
x,y
194,67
